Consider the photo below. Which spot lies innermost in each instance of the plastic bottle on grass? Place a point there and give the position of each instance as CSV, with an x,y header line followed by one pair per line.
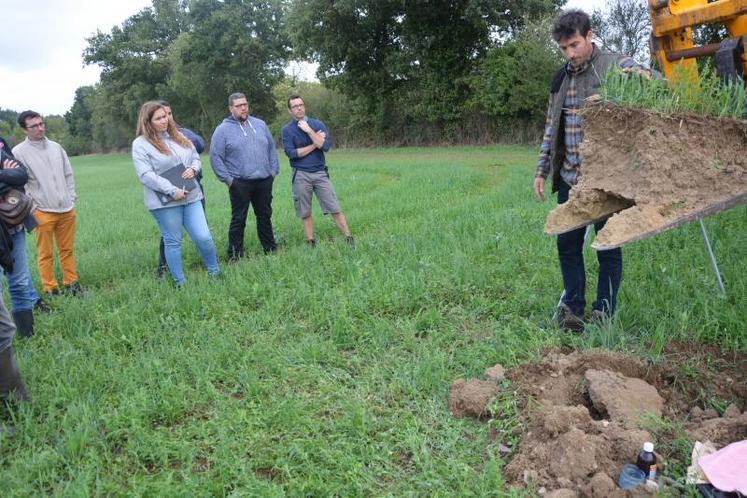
x,y
647,460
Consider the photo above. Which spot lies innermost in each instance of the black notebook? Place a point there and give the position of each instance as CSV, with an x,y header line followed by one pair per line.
x,y
174,175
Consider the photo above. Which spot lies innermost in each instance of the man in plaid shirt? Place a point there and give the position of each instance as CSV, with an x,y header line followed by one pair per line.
x,y
578,80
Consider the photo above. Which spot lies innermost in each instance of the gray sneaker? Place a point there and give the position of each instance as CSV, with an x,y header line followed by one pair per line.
x,y
568,320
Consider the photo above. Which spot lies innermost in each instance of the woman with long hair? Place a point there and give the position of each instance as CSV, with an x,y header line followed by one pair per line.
x,y
159,150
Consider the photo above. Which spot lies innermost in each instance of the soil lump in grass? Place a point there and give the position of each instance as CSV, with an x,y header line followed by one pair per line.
x,y
470,398
495,373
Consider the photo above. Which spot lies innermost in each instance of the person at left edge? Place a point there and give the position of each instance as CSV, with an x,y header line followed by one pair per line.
x,y
23,296
199,144
158,148
20,252
52,188
243,156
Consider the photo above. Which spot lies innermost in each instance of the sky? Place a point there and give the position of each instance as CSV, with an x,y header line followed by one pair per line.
x,y
42,41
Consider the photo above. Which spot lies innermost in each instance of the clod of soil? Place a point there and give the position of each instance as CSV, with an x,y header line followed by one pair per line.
x,y
720,431
731,411
562,493
622,398
655,172
495,373
601,486
470,398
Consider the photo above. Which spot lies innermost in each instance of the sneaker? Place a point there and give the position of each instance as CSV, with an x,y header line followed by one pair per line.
x,y
74,289
568,320
312,243
42,307
351,241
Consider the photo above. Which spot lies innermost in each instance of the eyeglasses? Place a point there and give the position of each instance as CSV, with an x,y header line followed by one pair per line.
x,y
35,126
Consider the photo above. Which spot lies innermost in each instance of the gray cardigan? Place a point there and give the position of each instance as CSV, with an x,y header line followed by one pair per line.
x,y
150,163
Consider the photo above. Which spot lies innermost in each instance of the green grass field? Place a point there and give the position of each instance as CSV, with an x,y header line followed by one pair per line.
x,y
326,372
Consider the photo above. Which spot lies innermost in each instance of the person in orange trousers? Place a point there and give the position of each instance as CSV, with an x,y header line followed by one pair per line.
x,y
52,188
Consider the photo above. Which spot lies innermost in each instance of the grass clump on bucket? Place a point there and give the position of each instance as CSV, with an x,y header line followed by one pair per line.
x,y
709,97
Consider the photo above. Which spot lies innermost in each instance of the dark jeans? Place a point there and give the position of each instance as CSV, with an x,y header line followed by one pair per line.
x,y
258,193
571,255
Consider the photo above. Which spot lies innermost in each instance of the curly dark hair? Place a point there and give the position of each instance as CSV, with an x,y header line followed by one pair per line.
x,y
570,22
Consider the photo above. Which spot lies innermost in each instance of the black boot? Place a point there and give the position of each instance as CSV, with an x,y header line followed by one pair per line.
x,y
74,289
24,322
11,384
42,307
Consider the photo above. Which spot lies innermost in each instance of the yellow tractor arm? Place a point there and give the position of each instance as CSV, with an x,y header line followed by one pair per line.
x,y
672,45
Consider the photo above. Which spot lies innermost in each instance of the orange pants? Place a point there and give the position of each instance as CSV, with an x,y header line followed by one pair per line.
x,y
55,228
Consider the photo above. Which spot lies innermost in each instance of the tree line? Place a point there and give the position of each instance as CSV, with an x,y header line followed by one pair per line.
x,y
394,72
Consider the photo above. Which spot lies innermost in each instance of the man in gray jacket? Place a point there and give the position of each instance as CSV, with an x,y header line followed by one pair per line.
x,y
243,156
52,188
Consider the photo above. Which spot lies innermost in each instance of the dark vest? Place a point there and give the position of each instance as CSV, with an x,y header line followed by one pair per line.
x,y
588,83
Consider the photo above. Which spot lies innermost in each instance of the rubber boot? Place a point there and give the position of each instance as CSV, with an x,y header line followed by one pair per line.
x,y
24,322
11,384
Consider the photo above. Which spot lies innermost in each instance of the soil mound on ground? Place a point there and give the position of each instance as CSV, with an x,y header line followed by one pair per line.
x,y
652,173
586,414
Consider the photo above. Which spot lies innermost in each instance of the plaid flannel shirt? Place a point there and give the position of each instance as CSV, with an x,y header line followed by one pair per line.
x,y
571,121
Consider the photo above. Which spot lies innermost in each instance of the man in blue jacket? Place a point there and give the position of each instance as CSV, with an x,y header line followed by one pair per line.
x,y
305,141
243,156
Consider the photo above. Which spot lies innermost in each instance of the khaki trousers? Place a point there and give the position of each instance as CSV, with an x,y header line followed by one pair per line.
x,y
59,229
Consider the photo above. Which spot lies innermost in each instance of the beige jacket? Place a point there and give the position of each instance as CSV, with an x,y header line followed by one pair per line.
x,y
51,184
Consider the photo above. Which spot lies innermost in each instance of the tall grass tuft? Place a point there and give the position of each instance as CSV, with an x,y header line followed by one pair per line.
x,y
711,97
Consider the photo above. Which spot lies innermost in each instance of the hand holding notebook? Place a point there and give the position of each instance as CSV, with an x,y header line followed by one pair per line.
x,y
175,176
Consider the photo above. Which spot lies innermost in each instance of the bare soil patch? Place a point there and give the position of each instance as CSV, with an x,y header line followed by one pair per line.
x,y
586,414
655,172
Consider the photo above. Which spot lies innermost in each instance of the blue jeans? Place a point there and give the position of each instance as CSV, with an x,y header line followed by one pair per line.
x,y
571,255
23,296
192,217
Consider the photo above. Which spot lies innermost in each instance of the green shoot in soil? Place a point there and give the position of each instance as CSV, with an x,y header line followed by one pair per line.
x,y
711,97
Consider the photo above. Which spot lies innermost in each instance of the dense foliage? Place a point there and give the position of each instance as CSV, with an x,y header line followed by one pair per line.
x,y
193,54
391,71
408,65
624,26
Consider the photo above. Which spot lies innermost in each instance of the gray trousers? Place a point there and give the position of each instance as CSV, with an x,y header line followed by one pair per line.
x,y
7,327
